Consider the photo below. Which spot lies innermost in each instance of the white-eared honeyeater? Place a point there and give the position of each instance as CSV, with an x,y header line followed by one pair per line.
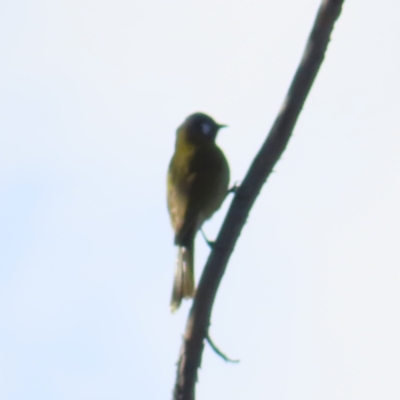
x,y
198,179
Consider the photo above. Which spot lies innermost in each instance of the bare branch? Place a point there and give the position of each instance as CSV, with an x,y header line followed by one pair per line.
x,y
269,154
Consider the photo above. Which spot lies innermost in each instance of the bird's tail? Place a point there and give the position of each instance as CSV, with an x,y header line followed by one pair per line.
x,y
184,277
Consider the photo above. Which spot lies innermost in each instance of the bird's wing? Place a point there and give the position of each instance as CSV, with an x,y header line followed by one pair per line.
x,y
196,189
181,181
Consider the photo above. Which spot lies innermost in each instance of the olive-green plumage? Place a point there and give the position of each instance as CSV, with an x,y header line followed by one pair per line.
x,y
198,179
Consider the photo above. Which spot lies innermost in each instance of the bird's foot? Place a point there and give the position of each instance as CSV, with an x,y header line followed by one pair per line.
x,y
234,188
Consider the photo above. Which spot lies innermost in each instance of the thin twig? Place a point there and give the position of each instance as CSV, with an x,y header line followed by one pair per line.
x,y
276,142
218,351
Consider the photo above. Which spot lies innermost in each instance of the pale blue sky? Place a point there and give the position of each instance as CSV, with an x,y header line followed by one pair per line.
x,y
91,93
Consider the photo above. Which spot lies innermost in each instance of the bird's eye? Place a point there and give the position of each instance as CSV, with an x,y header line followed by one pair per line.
x,y
205,128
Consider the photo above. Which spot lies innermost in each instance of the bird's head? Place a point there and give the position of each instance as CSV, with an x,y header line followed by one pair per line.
x,y
199,127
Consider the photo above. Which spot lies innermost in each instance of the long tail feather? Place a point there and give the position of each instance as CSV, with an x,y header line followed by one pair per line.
x,y
184,277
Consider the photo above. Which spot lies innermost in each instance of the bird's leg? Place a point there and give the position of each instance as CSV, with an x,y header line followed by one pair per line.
x,y
233,189
209,242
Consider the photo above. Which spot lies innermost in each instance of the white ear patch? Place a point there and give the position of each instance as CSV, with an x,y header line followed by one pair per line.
x,y
205,128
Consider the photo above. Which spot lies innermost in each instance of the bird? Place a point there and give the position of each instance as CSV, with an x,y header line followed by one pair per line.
x,y
197,184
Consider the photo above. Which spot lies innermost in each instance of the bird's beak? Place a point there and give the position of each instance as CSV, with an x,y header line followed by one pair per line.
x,y
222,126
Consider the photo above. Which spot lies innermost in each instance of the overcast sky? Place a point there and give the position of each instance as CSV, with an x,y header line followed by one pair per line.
x,y
91,93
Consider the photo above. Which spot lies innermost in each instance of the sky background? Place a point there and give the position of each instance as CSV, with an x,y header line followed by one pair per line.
x,y
91,93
